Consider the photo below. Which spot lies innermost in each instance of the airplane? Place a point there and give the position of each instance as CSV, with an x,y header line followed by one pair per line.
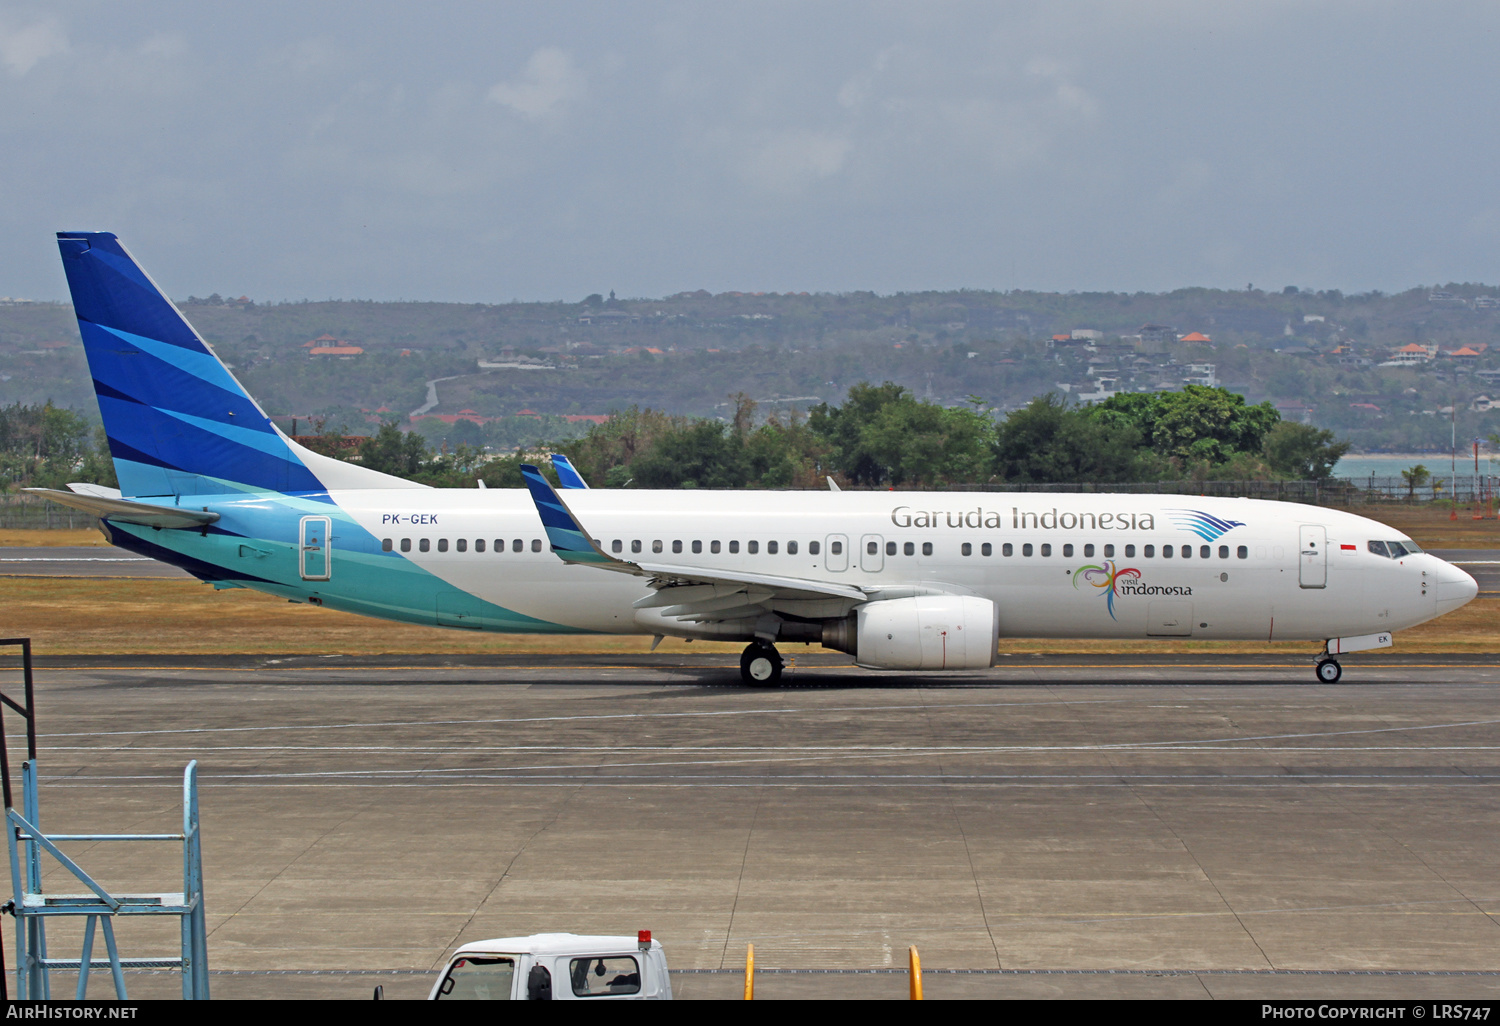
x,y
911,581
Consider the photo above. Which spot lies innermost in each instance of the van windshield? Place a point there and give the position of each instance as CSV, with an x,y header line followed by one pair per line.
x,y
479,978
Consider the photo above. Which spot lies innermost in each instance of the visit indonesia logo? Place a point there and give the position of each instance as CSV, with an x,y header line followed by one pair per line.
x,y
1107,578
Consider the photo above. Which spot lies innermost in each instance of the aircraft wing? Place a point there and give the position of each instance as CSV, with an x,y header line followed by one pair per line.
x,y
99,502
698,593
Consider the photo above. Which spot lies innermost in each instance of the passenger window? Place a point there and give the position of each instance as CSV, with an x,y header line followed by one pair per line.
x,y
1130,552
617,546
1067,550
1204,551
462,545
890,548
499,545
752,547
986,549
405,544
478,544
771,548
536,545
966,549
635,546
813,548
1377,547
442,544
1088,552
1007,549
791,548
910,549
656,545
1109,551
697,546
1046,550
1243,552
1026,549
595,977
385,545
734,547
873,549
517,545
927,548
1147,551
713,547
1223,551
677,546
1166,551
424,544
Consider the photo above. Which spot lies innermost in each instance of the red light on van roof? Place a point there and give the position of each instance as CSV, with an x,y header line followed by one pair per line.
x,y
643,937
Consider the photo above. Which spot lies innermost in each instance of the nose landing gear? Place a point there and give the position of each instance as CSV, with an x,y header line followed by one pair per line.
x,y
1329,671
760,665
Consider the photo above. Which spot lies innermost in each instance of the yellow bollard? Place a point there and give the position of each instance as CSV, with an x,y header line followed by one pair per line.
x,y
915,971
750,972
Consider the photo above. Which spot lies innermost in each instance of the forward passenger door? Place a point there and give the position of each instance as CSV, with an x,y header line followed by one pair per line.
x,y
1312,559
871,553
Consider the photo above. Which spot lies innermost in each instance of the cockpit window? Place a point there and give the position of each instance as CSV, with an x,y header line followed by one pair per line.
x,y
1397,549
1378,547
1394,549
1412,548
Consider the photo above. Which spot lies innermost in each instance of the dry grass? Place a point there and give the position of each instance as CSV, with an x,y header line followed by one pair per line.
x,y
37,539
68,616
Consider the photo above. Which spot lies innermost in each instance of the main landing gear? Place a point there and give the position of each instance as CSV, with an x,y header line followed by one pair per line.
x,y
1329,671
760,664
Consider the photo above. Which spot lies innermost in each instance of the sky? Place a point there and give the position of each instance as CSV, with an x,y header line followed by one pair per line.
x,y
490,151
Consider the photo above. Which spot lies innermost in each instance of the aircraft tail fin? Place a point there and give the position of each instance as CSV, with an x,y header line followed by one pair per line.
x,y
177,420
567,474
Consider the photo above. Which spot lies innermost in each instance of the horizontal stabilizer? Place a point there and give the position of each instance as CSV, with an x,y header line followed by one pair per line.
x,y
126,511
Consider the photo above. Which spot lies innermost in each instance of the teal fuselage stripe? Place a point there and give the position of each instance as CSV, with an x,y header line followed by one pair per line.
x,y
260,549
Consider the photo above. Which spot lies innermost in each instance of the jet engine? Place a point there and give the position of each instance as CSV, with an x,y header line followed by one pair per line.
x,y
928,632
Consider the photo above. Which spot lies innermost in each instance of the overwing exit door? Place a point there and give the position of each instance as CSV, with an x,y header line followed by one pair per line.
x,y
314,551
1312,561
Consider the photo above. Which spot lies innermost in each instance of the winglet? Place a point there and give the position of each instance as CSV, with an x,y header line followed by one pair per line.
x,y
564,532
567,474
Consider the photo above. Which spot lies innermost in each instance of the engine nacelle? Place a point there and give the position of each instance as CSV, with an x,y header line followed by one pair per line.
x,y
929,632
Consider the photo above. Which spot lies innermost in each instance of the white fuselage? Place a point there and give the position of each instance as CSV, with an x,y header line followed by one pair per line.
x,y
1056,565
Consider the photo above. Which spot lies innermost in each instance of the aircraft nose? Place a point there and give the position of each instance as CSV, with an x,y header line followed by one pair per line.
x,y
1454,588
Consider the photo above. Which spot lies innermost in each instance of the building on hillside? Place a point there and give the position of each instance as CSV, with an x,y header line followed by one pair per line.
x,y
1158,333
1086,335
1464,357
338,352
1294,411
1411,355
1197,336
1486,302
1200,374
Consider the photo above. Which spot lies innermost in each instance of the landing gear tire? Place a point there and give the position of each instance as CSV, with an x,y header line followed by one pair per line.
x,y
760,666
1329,671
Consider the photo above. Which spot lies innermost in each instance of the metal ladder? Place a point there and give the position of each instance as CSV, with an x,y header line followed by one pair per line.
x,y
33,906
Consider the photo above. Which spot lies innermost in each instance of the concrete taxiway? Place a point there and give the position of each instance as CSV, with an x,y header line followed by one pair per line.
x,y
1174,827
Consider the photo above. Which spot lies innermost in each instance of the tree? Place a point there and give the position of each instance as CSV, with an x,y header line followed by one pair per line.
x,y
1415,478
1302,451
1197,424
883,434
1047,441
391,451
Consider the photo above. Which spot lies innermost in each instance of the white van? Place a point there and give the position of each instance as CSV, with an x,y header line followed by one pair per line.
x,y
556,967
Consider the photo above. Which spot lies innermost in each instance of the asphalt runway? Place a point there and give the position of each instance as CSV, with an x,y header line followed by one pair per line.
x,y
1170,827
82,561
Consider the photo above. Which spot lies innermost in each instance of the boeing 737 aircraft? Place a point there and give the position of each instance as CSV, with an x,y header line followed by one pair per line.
x,y
900,580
